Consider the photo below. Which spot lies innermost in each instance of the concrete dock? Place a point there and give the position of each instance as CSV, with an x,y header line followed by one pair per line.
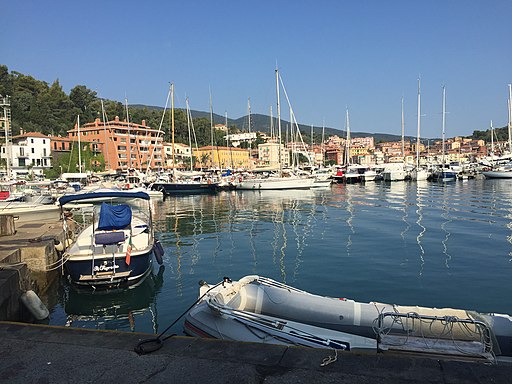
x,y
45,354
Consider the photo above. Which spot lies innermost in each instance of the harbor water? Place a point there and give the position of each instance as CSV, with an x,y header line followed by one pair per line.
x,y
410,243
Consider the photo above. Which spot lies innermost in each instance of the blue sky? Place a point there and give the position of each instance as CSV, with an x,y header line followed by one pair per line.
x,y
364,55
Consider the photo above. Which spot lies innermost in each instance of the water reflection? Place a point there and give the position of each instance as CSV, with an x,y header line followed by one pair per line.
x,y
403,232
119,309
420,187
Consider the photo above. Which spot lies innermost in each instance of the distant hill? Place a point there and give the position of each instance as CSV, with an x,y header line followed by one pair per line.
x,y
261,123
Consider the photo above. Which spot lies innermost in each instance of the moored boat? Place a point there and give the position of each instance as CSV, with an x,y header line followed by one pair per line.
x,y
113,244
260,309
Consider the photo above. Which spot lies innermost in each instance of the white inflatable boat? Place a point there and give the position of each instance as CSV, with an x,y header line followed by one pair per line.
x,y
259,309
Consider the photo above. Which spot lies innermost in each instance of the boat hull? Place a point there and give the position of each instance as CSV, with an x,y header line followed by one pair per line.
x,y
108,271
278,183
264,301
184,188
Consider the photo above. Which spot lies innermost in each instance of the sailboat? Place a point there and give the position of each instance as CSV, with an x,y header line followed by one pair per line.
x,y
504,171
181,185
418,173
283,180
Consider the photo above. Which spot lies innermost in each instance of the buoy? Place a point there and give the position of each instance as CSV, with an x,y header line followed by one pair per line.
x,y
34,305
158,250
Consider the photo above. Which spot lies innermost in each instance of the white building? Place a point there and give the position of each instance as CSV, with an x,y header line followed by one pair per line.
x,y
268,154
182,154
236,138
29,154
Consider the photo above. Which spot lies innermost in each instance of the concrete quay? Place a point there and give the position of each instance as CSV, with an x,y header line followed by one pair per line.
x,y
45,354
28,261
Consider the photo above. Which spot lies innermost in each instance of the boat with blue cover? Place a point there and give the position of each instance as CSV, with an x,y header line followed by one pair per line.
x,y
110,242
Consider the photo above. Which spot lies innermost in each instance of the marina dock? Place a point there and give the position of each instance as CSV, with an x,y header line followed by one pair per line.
x,y
45,354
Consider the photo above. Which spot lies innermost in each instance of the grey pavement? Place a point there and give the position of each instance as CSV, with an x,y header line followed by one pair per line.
x,y
45,354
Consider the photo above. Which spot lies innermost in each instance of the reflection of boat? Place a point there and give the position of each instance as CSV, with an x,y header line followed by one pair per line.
x,y
260,309
114,247
119,305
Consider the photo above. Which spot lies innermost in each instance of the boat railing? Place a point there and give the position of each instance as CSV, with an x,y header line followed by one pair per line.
x,y
441,335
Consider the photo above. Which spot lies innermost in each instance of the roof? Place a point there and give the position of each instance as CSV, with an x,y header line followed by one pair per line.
x,y
31,134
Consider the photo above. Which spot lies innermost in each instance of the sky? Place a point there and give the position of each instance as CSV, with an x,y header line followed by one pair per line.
x,y
363,56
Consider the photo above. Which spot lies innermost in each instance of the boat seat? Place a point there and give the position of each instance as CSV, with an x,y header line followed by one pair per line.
x,y
109,238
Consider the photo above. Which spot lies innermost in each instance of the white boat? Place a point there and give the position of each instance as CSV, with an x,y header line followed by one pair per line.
x,y
111,246
276,183
24,212
394,172
503,172
263,310
216,317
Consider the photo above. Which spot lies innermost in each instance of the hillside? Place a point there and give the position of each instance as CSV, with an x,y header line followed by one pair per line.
x,y
261,123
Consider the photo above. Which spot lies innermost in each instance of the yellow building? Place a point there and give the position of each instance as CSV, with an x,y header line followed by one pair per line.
x,y
222,157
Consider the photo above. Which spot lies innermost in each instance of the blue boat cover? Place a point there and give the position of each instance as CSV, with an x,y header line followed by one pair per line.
x,y
114,217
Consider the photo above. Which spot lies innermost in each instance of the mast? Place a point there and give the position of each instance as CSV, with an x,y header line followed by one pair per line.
x,y
189,133
249,114
403,132
444,122
322,145
172,133
419,124
79,146
510,118
211,127
347,146
6,103
105,133
279,122
129,135
227,140
492,141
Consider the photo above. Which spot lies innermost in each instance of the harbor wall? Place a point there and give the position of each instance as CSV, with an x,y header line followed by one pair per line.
x,y
29,260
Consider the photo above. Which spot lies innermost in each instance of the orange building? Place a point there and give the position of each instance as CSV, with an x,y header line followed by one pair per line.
x,y
123,145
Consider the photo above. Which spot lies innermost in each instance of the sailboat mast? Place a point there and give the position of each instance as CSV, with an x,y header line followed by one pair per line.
x,y
211,128
444,122
189,134
279,121
249,112
107,142
403,131
79,146
347,125
322,145
419,125
172,133
492,141
510,118
129,136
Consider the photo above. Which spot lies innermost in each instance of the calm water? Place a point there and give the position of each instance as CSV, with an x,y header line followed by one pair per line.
x,y
405,243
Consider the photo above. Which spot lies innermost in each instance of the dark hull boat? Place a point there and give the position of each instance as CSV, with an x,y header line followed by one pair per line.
x,y
262,310
114,243
184,187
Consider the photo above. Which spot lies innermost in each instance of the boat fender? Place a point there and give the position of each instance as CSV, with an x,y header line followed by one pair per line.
x,y
159,252
34,305
59,247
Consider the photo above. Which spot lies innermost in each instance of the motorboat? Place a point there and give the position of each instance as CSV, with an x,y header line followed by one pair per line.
x,y
112,244
394,172
263,310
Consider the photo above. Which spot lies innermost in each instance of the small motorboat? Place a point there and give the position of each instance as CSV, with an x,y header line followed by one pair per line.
x,y
111,243
259,309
